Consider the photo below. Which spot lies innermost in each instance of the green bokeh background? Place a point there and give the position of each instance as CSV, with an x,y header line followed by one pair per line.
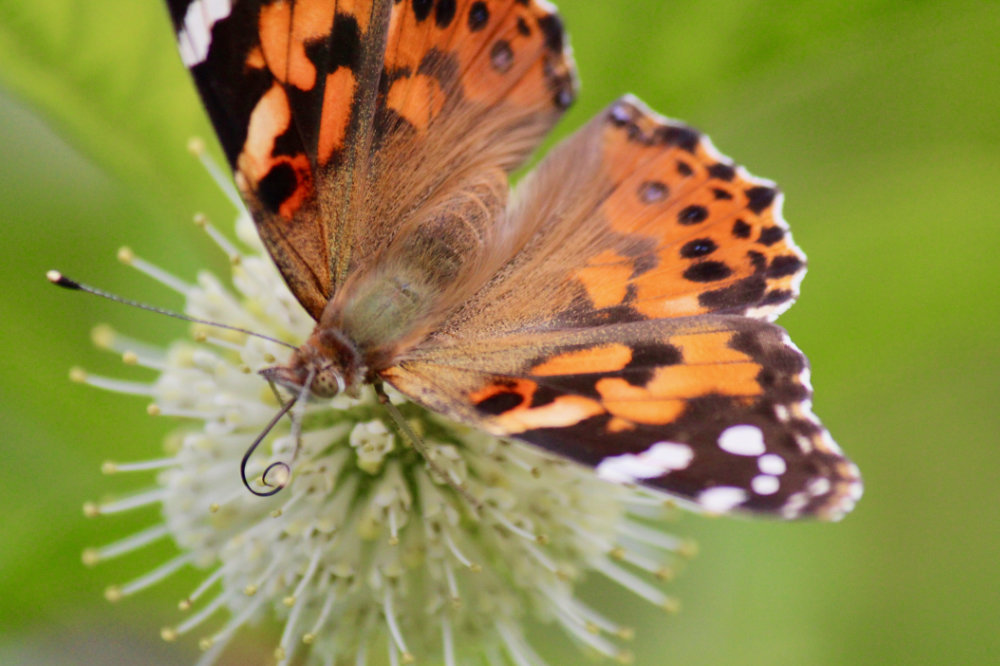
x,y
879,120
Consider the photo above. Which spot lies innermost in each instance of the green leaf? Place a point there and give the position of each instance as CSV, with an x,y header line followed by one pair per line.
x,y
107,76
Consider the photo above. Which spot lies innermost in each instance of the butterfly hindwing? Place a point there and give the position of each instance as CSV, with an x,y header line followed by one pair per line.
x,y
714,410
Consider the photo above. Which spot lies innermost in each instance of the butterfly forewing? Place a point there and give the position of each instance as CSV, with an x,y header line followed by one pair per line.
x,y
346,120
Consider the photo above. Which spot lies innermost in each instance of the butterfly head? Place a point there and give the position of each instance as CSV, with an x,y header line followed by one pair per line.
x,y
327,364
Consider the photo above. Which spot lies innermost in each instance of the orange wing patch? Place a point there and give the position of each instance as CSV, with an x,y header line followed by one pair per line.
x,y
664,376
340,85
606,278
610,357
284,31
418,99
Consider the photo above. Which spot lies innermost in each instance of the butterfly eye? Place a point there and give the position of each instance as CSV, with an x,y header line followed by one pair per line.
x,y
327,383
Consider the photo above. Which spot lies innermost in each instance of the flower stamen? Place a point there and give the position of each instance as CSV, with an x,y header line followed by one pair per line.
x,y
200,616
81,376
324,614
202,588
630,581
136,501
196,146
447,642
111,467
517,649
167,279
231,251
161,572
398,642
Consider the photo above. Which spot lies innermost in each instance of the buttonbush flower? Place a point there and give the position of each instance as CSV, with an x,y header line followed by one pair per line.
x,y
367,554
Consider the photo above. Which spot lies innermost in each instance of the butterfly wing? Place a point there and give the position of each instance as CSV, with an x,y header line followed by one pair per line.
x,y
631,331
713,409
636,217
343,119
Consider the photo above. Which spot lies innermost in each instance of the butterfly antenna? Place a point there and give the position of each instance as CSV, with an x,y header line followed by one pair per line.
x,y
418,443
279,467
60,280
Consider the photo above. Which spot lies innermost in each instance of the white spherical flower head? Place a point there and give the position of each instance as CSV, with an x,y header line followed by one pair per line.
x,y
369,547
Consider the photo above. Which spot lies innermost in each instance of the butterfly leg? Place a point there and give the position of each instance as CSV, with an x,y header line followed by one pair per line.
x,y
421,447
274,390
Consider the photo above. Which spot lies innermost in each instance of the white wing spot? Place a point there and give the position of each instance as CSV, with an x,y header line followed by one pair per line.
x,y
794,506
765,484
657,460
819,487
196,35
722,498
621,113
772,463
856,488
742,440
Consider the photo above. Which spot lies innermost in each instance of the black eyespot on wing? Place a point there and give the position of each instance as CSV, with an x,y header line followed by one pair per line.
x,y
277,186
692,215
653,191
770,235
501,56
479,16
760,198
444,12
708,271
722,171
784,265
422,8
684,138
499,403
699,247
741,229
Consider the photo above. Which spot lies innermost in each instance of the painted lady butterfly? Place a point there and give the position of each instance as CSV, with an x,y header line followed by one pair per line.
x,y
613,309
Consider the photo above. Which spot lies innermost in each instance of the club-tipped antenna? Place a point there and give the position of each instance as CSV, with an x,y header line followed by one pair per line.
x,y
60,280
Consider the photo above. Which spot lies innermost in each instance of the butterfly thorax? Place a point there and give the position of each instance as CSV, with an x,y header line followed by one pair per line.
x,y
371,319
328,363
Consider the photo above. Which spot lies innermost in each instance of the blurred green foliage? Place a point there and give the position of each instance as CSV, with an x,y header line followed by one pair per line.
x,y
879,120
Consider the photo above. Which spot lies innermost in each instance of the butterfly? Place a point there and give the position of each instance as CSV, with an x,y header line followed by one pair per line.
x,y
613,309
